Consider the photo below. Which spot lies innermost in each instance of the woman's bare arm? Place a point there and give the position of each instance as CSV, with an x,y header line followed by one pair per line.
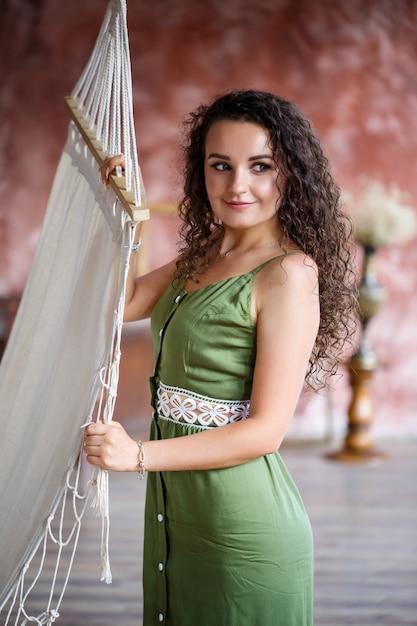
x,y
287,308
142,292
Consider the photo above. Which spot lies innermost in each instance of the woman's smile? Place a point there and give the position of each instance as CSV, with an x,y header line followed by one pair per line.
x,y
238,205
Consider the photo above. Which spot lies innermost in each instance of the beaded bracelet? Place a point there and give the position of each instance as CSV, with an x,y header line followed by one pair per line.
x,y
141,472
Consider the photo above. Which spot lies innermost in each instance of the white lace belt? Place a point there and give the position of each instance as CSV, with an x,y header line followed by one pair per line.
x,y
186,407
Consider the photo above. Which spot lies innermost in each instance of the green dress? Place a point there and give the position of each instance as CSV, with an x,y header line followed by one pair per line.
x,y
225,547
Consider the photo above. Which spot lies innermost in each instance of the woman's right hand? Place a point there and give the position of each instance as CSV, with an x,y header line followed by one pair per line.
x,y
109,165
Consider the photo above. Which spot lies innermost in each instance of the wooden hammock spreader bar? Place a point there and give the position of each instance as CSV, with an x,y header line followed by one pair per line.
x,y
118,183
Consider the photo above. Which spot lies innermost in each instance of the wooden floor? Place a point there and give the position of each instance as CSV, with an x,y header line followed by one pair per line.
x,y
364,520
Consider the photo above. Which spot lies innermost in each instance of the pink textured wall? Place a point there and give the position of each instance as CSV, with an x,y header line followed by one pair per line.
x,y
351,67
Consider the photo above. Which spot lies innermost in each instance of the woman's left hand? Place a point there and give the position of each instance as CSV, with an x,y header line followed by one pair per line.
x,y
109,165
109,446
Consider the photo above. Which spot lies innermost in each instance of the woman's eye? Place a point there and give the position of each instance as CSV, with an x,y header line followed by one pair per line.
x,y
220,167
261,167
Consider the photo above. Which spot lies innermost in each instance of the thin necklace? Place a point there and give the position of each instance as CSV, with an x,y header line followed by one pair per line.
x,y
223,255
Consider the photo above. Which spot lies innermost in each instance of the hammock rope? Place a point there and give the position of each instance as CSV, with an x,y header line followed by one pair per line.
x,y
71,316
101,106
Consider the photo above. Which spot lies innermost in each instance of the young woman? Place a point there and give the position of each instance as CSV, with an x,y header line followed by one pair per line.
x,y
259,301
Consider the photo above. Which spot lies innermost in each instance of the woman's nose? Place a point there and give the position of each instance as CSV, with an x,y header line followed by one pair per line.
x,y
238,181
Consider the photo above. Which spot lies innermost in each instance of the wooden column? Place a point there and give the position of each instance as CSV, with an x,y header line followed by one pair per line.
x,y
358,444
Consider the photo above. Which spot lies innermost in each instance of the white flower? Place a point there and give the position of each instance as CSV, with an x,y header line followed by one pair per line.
x,y
381,215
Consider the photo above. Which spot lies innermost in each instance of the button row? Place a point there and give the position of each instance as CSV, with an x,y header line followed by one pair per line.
x,y
160,518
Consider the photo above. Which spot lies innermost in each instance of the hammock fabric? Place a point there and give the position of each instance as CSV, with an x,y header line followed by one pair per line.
x,y
60,368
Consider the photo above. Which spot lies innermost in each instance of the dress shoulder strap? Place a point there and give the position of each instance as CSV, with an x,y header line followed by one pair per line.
x,y
274,258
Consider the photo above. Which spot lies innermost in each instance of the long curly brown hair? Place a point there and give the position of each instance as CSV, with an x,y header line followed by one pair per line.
x,y
309,213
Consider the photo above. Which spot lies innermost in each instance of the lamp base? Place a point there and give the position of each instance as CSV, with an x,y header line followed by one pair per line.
x,y
347,455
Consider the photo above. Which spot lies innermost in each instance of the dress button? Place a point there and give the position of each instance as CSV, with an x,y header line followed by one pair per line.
x,y
161,617
160,566
159,517
177,299
161,332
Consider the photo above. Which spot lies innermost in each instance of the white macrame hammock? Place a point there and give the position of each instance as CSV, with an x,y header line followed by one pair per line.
x,y
60,369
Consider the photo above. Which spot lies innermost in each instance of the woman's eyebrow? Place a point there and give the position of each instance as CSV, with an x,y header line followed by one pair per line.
x,y
216,155
261,156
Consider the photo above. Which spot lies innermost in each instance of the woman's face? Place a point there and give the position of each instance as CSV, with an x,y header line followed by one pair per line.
x,y
240,174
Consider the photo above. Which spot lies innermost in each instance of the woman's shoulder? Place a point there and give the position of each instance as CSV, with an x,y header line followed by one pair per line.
x,y
291,267
286,282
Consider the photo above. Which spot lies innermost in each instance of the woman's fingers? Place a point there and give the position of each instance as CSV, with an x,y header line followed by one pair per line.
x,y
109,165
96,435
110,447
97,428
92,440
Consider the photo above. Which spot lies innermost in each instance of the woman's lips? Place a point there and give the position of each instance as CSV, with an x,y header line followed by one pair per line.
x,y
238,206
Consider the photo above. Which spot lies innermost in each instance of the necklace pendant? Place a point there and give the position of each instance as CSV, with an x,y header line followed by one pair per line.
x,y
223,255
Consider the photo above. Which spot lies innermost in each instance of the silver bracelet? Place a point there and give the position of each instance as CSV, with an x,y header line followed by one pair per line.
x,y
135,246
141,472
